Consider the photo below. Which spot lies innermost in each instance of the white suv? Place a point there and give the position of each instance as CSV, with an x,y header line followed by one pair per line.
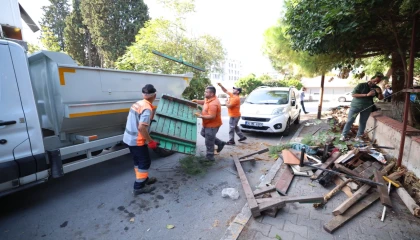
x,y
270,109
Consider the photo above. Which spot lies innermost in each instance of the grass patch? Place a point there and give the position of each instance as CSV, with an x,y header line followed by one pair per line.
x,y
195,165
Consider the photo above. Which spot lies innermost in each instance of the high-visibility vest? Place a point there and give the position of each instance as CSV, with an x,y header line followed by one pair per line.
x,y
132,135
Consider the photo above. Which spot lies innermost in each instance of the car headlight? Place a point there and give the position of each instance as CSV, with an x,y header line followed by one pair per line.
x,y
279,111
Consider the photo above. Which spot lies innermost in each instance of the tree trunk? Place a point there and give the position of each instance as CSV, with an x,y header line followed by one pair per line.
x,y
321,98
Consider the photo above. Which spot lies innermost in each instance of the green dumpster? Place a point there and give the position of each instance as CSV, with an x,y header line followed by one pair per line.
x,y
175,126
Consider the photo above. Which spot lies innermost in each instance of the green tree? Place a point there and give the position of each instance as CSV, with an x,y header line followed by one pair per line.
x,y
357,29
113,25
32,48
167,37
78,40
53,24
249,83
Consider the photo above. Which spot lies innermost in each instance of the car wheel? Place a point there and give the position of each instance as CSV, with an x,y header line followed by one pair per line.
x,y
286,131
341,99
297,120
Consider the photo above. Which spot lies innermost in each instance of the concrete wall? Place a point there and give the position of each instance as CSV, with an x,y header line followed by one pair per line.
x,y
388,133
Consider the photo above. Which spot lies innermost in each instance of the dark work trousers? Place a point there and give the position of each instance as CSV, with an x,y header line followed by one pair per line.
x,y
303,106
233,127
142,163
209,135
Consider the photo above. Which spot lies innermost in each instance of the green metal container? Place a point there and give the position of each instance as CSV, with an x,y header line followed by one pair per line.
x,y
175,126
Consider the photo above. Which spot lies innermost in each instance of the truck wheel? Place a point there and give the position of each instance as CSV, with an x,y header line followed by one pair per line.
x,y
286,131
163,152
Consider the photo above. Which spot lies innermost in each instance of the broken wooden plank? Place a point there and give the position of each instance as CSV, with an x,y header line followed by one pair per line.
x,y
368,172
339,220
247,159
345,170
269,203
350,201
382,190
272,212
253,206
285,179
346,156
395,175
262,190
326,164
331,194
409,201
346,189
254,153
352,185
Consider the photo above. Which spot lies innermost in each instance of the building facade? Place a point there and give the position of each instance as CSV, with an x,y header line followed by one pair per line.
x,y
231,71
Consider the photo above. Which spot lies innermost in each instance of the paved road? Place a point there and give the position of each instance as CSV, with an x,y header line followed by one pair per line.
x,y
96,202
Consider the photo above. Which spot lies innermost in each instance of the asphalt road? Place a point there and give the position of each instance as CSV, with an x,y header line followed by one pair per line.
x,y
96,202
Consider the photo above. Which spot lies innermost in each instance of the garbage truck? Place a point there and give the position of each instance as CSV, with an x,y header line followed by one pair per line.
x,y
57,117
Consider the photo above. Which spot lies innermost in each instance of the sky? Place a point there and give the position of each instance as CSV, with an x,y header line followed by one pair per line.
x,y
240,24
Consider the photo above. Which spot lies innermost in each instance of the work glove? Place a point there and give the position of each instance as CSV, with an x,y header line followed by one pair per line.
x,y
194,100
197,115
153,144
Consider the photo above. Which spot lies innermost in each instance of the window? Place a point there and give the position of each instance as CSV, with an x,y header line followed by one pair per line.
x,y
268,97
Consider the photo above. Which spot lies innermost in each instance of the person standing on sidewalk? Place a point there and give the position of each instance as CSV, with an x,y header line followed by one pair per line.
x,y
137,137
234,105
362,104
302,99
212,120
387,93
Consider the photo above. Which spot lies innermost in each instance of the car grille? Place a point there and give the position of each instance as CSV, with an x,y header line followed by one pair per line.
x,y
256,119
254,127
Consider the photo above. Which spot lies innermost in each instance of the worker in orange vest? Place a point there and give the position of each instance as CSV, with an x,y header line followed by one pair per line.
x,y
137,137
234,105
212,120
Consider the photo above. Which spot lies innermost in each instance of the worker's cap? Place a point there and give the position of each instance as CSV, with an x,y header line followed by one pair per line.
x,y
238,89
148,89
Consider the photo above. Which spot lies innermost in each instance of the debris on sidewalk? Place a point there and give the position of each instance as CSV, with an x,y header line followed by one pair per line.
x,y
230,192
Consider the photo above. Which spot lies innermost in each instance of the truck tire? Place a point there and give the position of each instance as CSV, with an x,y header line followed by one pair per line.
x,y
163,152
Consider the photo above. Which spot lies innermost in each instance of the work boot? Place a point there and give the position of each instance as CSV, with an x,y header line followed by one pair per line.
x,y
221,146
145,189
151,180
230,143
242,139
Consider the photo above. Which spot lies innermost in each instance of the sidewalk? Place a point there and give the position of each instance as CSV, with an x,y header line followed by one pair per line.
x,y
303,221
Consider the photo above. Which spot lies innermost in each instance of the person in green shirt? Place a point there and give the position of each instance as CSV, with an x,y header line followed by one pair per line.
x,y
362,104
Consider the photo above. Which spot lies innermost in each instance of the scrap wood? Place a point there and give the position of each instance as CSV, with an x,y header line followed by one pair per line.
x,y
346,189
359,193
395,175
272,212
382,190
409,201
289,157
286,178
252,203
339,220
331,194
352,185
267,203
348,171
262,190
254,153
346,156
384,211
326,164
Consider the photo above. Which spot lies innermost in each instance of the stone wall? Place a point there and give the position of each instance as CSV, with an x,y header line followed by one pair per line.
x,y
388,133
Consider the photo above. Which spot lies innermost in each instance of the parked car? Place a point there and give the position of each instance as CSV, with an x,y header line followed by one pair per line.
x,y
223,98
270,109
347,97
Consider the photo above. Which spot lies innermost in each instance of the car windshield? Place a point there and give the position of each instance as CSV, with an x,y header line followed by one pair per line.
x,y
268,97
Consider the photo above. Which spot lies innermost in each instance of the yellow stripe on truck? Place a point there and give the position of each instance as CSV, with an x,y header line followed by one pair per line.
x,y
61,72
89,114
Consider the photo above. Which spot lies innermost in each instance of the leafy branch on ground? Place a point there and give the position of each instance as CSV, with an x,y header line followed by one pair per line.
x,y
274,150
195,165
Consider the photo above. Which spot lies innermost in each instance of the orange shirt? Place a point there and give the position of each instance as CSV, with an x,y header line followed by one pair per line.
x,y
212,107
235,103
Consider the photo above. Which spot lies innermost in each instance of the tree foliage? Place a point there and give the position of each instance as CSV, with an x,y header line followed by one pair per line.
x,y
357,29
166,37
53,24
32,48
113,25
78,39
251,82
